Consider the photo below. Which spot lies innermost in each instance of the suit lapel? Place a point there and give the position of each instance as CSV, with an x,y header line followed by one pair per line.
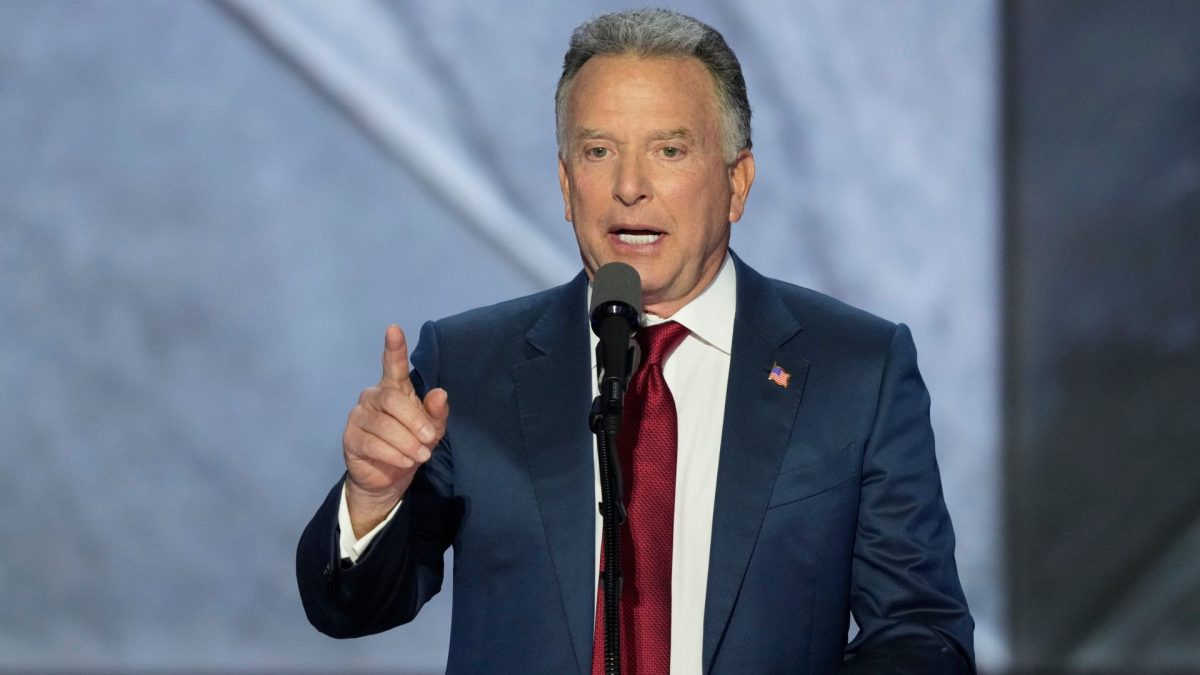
x,y
554,396
759,416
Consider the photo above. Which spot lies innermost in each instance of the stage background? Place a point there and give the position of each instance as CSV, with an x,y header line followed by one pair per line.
x,y
210,210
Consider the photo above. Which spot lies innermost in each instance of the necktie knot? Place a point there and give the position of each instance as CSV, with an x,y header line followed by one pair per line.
x,y
660,340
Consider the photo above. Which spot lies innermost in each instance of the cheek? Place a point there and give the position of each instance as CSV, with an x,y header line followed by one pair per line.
x,y
591,181
583,203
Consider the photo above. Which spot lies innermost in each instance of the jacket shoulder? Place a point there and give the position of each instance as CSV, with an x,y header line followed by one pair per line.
x,y
510,318
822,315
513,315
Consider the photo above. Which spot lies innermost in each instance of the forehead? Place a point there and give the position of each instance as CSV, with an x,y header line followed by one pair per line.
x,y
645,87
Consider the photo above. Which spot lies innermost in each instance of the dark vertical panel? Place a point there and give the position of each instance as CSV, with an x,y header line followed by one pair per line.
x,y
1103,333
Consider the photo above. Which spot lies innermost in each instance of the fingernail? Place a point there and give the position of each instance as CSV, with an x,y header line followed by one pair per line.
x,y
427,434
424,454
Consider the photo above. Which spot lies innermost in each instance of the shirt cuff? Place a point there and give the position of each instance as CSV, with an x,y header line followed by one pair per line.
x,y
349,547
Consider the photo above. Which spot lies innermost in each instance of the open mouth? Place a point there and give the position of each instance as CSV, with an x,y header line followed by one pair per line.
x,y
638,237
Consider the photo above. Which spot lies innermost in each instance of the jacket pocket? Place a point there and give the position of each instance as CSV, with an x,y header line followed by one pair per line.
x,y
812,479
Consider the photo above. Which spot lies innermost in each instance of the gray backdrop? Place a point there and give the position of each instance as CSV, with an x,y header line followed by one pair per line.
x,y
209,211
1102,334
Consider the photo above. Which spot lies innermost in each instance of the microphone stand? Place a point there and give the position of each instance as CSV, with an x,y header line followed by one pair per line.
x,y
605,422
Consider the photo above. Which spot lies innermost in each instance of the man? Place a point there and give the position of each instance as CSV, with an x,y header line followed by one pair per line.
x,y
806,486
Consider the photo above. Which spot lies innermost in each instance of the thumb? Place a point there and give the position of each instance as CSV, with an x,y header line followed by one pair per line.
x,y
437,406
395,359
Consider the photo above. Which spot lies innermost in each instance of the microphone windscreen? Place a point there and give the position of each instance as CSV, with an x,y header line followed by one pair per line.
x,y
617,282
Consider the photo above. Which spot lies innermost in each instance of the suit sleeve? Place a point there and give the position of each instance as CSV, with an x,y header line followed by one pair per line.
x,y
403,566
905,593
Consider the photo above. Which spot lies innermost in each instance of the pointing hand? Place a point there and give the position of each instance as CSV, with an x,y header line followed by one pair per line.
x,y
390,433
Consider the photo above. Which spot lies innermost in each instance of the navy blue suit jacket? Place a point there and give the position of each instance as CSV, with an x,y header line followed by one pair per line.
x,y
828,499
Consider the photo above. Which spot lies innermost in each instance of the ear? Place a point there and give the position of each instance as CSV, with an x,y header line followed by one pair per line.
x,y
741,177
564,182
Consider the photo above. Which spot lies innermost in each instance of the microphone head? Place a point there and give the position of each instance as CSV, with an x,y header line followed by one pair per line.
x,y
616,291
616,282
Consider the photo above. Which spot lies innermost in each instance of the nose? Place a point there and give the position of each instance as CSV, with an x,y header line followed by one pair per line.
x,y
632,184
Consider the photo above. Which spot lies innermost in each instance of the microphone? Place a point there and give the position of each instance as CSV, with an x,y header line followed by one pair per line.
x,y
616,314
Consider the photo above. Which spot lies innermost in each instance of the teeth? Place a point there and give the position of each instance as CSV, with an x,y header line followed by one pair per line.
x,y
638,239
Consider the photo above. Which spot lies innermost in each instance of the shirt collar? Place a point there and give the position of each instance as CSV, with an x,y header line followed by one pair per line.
x,y
709,316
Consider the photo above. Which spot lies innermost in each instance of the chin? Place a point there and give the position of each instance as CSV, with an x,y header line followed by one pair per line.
x,y
649,283
652,295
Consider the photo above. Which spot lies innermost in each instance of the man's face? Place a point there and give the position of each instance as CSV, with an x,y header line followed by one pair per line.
x,y
644,177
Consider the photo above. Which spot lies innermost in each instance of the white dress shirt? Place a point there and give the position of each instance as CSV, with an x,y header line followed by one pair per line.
x,y
697,374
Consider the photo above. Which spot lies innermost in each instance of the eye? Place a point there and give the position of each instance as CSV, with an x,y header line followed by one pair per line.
x,y
671,152
596,152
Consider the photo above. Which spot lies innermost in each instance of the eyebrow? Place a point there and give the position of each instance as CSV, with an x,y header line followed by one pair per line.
x,y
680,133
669,135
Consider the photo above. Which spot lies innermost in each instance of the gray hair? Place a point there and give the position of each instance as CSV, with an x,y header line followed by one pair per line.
x,y
661,32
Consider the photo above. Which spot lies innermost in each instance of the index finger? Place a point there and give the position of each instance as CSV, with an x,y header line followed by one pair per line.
x,y
395,359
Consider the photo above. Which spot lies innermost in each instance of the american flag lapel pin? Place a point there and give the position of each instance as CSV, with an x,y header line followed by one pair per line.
x,y
779,376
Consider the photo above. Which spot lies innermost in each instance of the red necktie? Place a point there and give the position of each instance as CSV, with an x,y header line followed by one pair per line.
x,y
647,447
